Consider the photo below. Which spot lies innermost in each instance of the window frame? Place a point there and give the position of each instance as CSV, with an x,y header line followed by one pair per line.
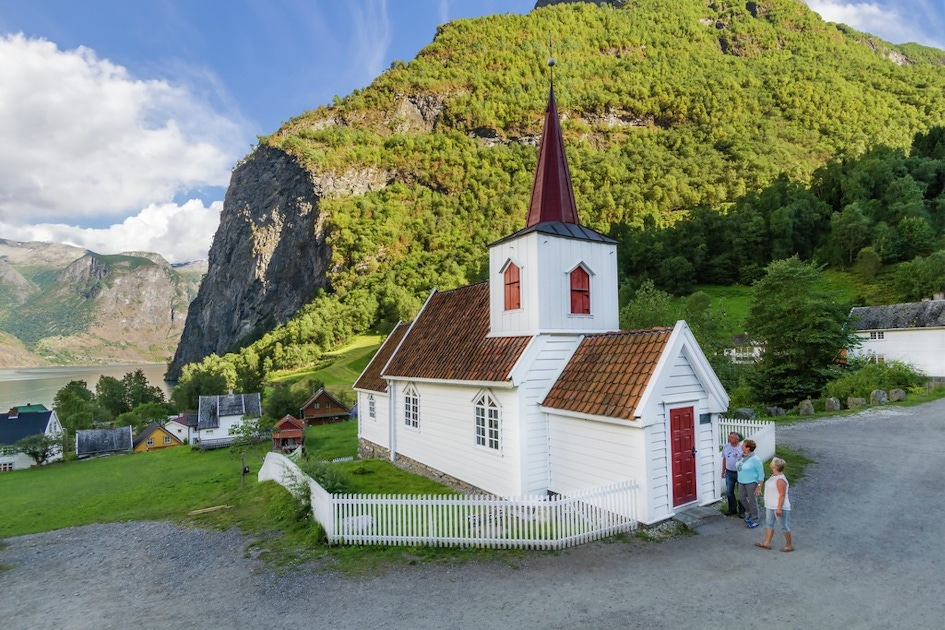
x,y
579,281
372,407
512,283
411,407
487,422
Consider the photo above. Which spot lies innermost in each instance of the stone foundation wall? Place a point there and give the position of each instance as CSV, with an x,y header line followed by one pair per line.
x,y
370,450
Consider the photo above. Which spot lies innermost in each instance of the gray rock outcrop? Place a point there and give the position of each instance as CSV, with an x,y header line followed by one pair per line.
x,y
806,408
878,397
832,404
268,258
897,395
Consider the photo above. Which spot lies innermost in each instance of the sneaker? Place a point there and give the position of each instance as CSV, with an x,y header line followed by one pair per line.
x,y
752,525
747,519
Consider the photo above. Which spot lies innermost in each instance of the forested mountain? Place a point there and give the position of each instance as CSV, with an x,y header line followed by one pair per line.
x,y
709,137
65,305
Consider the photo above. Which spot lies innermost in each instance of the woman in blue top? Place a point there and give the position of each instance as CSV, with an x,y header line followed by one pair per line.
x,y
751,473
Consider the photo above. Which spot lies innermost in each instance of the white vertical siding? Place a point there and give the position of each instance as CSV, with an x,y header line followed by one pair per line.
x,y
922,348
377,429
545,262
587,454
557,257
446,438
554,352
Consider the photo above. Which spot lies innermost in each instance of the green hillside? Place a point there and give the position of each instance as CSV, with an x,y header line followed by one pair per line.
x,y
708,138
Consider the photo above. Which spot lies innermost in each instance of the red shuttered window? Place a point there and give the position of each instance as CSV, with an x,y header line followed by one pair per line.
x,y
580,292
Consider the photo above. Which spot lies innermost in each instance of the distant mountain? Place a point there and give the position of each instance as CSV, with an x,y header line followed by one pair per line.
x,y
366,204
62,305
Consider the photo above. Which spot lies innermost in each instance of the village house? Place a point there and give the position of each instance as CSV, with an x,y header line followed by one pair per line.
x,y
912,333
155,437
183,427
323,408
95,442
524,384
24,421
218,417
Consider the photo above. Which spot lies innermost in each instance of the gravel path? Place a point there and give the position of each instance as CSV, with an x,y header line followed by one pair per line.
x,y
869,534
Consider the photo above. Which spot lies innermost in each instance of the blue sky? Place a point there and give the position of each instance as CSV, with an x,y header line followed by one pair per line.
x,y
121,120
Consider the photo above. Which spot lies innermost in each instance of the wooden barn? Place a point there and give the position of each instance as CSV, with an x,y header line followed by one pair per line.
x,y
323,408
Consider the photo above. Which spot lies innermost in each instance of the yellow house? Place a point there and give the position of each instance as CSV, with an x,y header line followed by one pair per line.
x,y
154,437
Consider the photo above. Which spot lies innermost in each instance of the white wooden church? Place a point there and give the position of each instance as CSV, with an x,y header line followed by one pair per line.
x,y
525,385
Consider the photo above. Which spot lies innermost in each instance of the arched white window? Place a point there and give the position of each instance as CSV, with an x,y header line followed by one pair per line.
x,y
411,407
487,422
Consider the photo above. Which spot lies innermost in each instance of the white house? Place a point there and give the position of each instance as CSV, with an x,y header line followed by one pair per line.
x,y
219,416
912,333
524,385
21,422
183,427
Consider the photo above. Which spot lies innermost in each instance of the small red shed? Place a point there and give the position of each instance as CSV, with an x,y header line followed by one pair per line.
x,y
288,434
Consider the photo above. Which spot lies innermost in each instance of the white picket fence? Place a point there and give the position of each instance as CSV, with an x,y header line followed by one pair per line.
x,y
538,522
761,431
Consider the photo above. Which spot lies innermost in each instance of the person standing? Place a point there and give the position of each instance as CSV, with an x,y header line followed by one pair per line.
x,y
751,472
731,453
778,506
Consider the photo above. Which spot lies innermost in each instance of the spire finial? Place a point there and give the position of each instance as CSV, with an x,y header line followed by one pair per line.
x,y
551,60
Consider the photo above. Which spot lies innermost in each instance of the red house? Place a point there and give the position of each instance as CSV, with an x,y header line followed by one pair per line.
x,y
288,434
323,408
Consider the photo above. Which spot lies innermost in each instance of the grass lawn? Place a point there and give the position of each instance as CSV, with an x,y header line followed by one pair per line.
x,y
163,484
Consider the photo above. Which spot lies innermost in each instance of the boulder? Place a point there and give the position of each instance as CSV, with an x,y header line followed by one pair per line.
x,y
878,397
745,413
897,395
855,403
806,408
832,404
775,412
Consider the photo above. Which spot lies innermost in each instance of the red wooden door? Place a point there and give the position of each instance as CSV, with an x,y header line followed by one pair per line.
x,y
683,436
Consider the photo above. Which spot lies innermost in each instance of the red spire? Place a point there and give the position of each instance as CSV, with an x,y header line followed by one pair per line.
x,y
552,193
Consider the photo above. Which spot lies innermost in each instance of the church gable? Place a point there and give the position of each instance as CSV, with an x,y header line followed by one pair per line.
x,y
449,341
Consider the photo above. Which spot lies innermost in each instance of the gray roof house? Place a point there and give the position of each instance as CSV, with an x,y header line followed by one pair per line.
x,y
217,415
91,442
912,333
20,422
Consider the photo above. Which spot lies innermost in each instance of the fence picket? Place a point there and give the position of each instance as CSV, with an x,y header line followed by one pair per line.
x,y
540,522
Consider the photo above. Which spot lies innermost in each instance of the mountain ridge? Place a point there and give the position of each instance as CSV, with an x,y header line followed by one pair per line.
x,y
64,305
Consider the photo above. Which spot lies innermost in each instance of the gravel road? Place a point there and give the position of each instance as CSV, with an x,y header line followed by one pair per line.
x,y
869,528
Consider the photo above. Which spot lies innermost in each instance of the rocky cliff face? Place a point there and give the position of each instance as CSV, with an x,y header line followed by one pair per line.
x,y
268,257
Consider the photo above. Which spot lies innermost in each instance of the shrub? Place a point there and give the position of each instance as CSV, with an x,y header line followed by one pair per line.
x,y
328,476
862,378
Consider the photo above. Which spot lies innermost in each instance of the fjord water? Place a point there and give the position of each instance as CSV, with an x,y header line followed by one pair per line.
x,y
39,385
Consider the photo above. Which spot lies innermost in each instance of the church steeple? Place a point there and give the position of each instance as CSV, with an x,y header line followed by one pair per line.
x,y
552,192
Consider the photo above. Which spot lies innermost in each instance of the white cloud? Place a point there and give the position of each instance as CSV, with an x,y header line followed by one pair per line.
x,y
921,23
179,233
372,35
81,140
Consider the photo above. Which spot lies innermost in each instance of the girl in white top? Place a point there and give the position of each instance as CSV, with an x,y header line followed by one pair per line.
x,y
777,505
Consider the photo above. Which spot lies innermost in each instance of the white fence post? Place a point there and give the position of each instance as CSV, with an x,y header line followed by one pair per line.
x,y
531,522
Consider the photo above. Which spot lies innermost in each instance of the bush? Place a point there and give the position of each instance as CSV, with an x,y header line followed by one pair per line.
x,y
328,476
862,378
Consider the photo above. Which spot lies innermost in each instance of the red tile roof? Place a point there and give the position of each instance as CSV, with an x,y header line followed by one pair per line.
x,y
371,379
448,341
608,373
